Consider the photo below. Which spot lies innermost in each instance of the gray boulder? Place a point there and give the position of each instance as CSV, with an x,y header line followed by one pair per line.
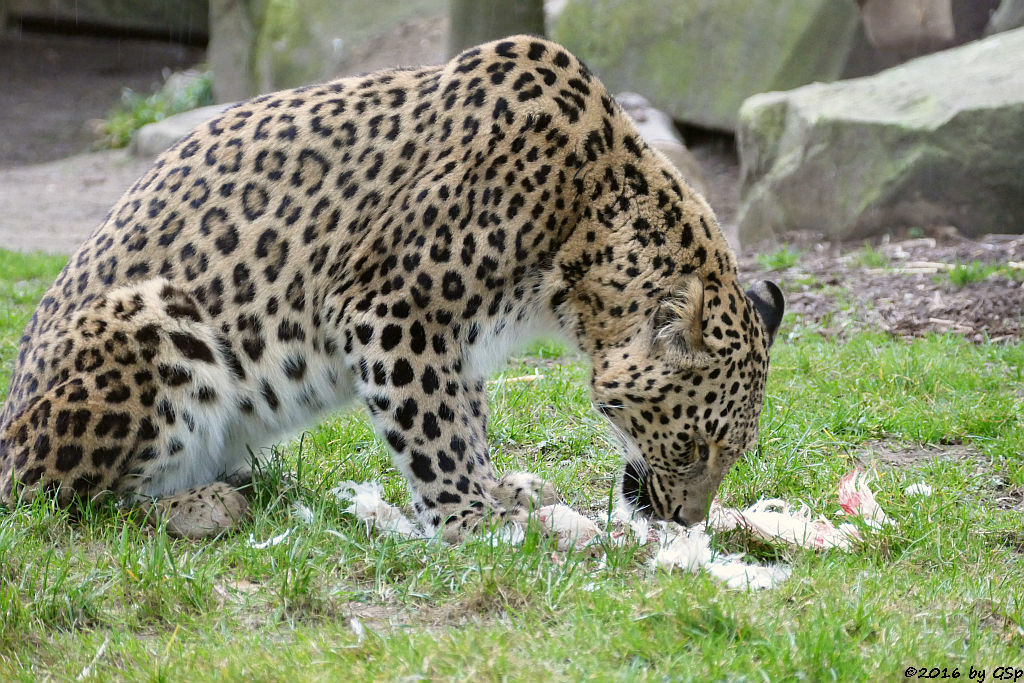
x,y
154,138
936,141
699,59
264,45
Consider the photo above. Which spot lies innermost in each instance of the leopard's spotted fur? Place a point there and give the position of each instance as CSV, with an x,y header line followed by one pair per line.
x,y
388,237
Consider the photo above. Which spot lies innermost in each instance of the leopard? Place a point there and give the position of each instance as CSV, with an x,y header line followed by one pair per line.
x,y
388,239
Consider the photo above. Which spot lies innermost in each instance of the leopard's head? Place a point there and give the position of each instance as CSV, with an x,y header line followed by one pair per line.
x,y
685,394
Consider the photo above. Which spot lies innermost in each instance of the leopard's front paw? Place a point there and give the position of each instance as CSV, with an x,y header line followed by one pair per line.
x,y
511,500
201,512
479,518
526,491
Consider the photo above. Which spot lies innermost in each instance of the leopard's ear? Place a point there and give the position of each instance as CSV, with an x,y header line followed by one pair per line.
x,y
770,305
678,322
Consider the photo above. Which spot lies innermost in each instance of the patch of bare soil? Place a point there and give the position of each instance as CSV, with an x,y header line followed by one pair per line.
x,y
833,288
53,193
384,616
54,206
1010,498
890,455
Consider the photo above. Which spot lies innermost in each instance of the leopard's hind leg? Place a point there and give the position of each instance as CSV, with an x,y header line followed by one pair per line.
x,y
142,394
199,512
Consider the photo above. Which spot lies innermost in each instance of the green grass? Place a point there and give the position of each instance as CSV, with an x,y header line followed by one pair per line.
x,y
135,110
963,274
23,279
869,257
782,258
942,587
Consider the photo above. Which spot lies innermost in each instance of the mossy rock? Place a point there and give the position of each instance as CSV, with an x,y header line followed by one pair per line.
x,y
699,59
287,43
937,141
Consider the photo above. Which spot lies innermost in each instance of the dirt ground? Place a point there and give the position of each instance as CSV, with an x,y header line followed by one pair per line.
x,y
53,193
910,294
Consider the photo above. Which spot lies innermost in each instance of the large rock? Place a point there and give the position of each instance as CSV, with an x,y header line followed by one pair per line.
x,y
936,141
699,59
264,45
154,138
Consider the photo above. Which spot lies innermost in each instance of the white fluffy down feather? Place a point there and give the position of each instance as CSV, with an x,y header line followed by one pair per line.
x,y
368,505
772,520
690,550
